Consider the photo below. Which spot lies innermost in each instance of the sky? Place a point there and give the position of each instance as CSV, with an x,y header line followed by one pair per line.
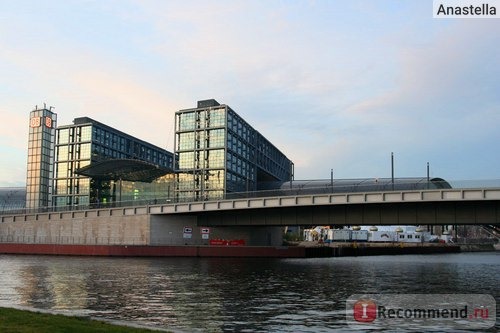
x,y
333,84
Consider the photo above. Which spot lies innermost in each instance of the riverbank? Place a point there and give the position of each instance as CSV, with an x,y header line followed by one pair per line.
x,y
355,249
32,320
478,247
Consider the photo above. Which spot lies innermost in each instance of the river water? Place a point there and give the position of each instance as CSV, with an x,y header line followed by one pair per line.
x,y
235,295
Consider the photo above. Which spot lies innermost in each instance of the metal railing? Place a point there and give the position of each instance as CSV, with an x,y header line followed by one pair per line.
x,y
300,188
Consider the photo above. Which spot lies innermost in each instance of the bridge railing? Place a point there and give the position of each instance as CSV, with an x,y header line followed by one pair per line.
x,y
296,188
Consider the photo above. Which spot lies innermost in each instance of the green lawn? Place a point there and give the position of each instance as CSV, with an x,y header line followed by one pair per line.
x,y
13,320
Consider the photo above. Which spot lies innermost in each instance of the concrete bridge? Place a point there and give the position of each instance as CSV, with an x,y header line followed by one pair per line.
x,y
438,207
256,219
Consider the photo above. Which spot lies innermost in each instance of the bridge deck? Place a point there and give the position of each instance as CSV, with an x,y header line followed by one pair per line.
x,y
385,201
332,199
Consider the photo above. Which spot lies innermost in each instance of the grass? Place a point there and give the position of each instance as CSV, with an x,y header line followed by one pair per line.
x,y
20,321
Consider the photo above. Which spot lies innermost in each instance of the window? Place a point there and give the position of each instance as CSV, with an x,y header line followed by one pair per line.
x,y
64,135
216,118
186,160
85,151
186,121
200,139
62,170
186,141
86,133
84,184
61,187
214,158
215,179
216,138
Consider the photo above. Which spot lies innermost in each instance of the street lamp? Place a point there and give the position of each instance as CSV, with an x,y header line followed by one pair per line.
x,y
392,170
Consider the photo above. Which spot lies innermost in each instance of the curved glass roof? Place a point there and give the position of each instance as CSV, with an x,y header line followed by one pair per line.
x,y
358,185
124,169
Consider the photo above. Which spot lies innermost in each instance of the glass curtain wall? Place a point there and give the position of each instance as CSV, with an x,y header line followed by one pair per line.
x,y
88,141
73,151
241,172
201,150
218,152
160,191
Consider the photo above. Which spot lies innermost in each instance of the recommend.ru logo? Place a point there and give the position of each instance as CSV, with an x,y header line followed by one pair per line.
x,y
422,311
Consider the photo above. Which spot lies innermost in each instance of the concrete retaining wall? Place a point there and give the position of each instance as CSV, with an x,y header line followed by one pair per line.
x,y
169,230
117,227
102,230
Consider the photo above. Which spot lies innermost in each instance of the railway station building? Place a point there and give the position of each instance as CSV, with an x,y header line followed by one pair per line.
x,y
219,153
98,164
88,163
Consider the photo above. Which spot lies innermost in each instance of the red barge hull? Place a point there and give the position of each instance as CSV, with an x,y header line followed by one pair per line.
x,y
154,251
216,251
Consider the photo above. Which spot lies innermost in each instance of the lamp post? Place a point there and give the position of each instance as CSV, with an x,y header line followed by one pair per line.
x,y
392,170
331,179
428,177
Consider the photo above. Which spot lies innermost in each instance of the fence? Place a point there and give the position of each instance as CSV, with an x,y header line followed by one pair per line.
x,y
293,188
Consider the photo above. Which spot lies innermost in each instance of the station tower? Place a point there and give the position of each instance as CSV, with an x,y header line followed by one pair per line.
x,y
41,143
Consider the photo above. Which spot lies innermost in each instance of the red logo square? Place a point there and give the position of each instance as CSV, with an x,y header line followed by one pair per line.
x,y
365,311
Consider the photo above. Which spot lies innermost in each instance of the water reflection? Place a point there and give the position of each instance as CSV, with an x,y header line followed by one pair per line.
x,y
235,294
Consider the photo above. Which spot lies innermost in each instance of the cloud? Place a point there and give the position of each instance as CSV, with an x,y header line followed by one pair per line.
x,y
444,107
332,84
91,86
13,146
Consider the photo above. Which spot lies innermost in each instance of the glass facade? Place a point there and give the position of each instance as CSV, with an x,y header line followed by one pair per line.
x,y
42,124
218,152
161,190
88,141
